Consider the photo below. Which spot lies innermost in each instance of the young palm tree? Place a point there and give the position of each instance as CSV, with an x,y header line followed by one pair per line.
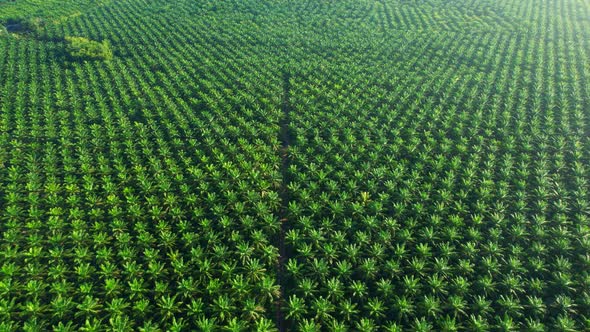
x,y
448,324
323,309
207,324
478,323
296,308
253,310
168,306
92,325
421,325
404,307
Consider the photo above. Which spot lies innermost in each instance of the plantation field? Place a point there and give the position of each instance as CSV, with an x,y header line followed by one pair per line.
x,y
278,165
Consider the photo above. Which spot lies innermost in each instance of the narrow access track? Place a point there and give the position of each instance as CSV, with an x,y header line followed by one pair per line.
x,y
286,138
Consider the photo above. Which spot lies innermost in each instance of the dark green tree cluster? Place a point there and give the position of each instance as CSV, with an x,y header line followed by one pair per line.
x,y
84,48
